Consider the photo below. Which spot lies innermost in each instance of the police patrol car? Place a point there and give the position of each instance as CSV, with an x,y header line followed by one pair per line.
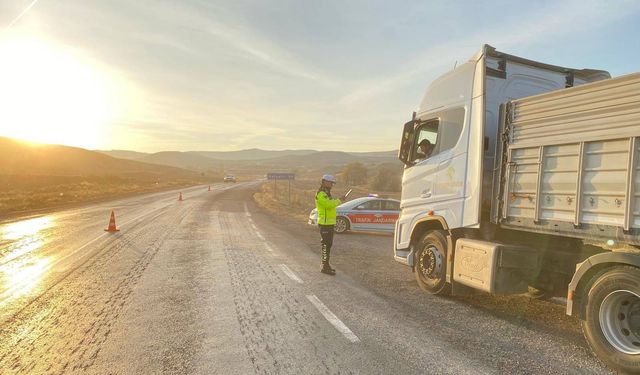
x,y
371,214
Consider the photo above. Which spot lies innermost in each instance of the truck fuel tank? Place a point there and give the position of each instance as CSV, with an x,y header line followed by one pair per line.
x,y
494,267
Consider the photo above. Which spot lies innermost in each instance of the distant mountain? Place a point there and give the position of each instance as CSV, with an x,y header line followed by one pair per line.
x,y
187,160
21,158
377,154
256,159
124,154
252,154
314,159
320,159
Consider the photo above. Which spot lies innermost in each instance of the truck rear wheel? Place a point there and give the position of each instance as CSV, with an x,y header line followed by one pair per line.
x,y
612,324
431,262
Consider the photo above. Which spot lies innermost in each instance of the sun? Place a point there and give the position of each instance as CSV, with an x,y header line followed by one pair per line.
x,y
51,95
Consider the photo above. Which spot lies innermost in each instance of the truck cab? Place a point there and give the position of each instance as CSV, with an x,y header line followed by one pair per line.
x,y
459,115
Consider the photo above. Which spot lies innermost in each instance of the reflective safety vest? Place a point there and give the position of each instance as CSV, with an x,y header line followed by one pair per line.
x,y
326,208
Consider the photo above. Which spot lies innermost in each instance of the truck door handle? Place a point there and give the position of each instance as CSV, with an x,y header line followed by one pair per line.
x,y
425,194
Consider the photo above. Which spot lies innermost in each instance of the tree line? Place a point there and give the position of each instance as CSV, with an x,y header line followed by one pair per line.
x,y
380,178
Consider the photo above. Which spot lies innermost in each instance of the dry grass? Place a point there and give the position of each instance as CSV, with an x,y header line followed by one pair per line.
x,y
19,194
277,200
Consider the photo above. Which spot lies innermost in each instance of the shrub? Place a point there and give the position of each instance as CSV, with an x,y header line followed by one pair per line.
x,y
354,174
387,179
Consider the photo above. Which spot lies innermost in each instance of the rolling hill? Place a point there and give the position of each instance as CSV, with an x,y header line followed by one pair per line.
x,y
124,154
252,154
187,160
256,159
316,159
244,155
22,158
377,154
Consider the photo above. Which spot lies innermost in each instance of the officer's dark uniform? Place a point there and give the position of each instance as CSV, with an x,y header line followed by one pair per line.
x,y
326,207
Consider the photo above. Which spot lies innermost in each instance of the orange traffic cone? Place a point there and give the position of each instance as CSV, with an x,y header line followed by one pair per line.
x,y
180,197
112,224
209,188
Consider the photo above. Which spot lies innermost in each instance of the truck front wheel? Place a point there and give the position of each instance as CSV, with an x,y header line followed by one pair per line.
x,y
612,324
431,262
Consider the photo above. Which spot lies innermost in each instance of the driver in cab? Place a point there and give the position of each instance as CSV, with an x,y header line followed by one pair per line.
x,y
425,149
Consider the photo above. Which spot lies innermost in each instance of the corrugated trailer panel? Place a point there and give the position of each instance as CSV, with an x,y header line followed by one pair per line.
x,y
558,185
634,188
604,182
595,111
572,161
523,180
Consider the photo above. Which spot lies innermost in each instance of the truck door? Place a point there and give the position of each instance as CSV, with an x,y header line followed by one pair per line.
x,y
419,180
452,162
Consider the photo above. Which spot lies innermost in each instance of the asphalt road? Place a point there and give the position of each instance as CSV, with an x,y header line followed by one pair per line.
x,y
213,284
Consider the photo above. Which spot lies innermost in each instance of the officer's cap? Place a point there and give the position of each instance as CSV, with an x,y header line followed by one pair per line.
x,y
329,177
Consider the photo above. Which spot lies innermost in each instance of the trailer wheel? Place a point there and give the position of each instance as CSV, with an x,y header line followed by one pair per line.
x,y
431,262
612,324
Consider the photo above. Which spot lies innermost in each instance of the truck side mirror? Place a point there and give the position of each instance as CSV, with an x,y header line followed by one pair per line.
x,y
405,143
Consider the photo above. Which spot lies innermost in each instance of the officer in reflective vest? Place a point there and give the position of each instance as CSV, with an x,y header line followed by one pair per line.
x,y
326,207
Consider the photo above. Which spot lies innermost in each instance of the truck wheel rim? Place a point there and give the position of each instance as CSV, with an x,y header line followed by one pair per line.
x,y
431,263
620,321
340,225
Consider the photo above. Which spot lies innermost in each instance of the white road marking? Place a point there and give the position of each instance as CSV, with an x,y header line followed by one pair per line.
x,y
246,210
287,271
333,319
255,229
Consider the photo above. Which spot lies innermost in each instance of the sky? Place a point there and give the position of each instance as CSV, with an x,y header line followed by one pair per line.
x,y
226,75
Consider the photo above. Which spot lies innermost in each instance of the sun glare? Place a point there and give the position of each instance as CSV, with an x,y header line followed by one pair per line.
x,y
50,95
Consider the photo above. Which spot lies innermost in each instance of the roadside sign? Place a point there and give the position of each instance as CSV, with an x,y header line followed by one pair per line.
x,y
281,176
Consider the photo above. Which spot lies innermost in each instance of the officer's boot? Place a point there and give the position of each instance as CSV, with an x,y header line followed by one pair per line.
x,y
324,267
329,265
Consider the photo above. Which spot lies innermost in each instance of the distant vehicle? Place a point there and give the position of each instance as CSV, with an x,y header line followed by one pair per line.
x,y
372,214
229,178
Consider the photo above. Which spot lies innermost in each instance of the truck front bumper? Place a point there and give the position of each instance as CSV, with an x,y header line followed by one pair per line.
x,y
404,256
401,255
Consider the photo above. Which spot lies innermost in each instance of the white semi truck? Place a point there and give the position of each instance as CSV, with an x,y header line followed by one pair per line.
x,y
530,184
